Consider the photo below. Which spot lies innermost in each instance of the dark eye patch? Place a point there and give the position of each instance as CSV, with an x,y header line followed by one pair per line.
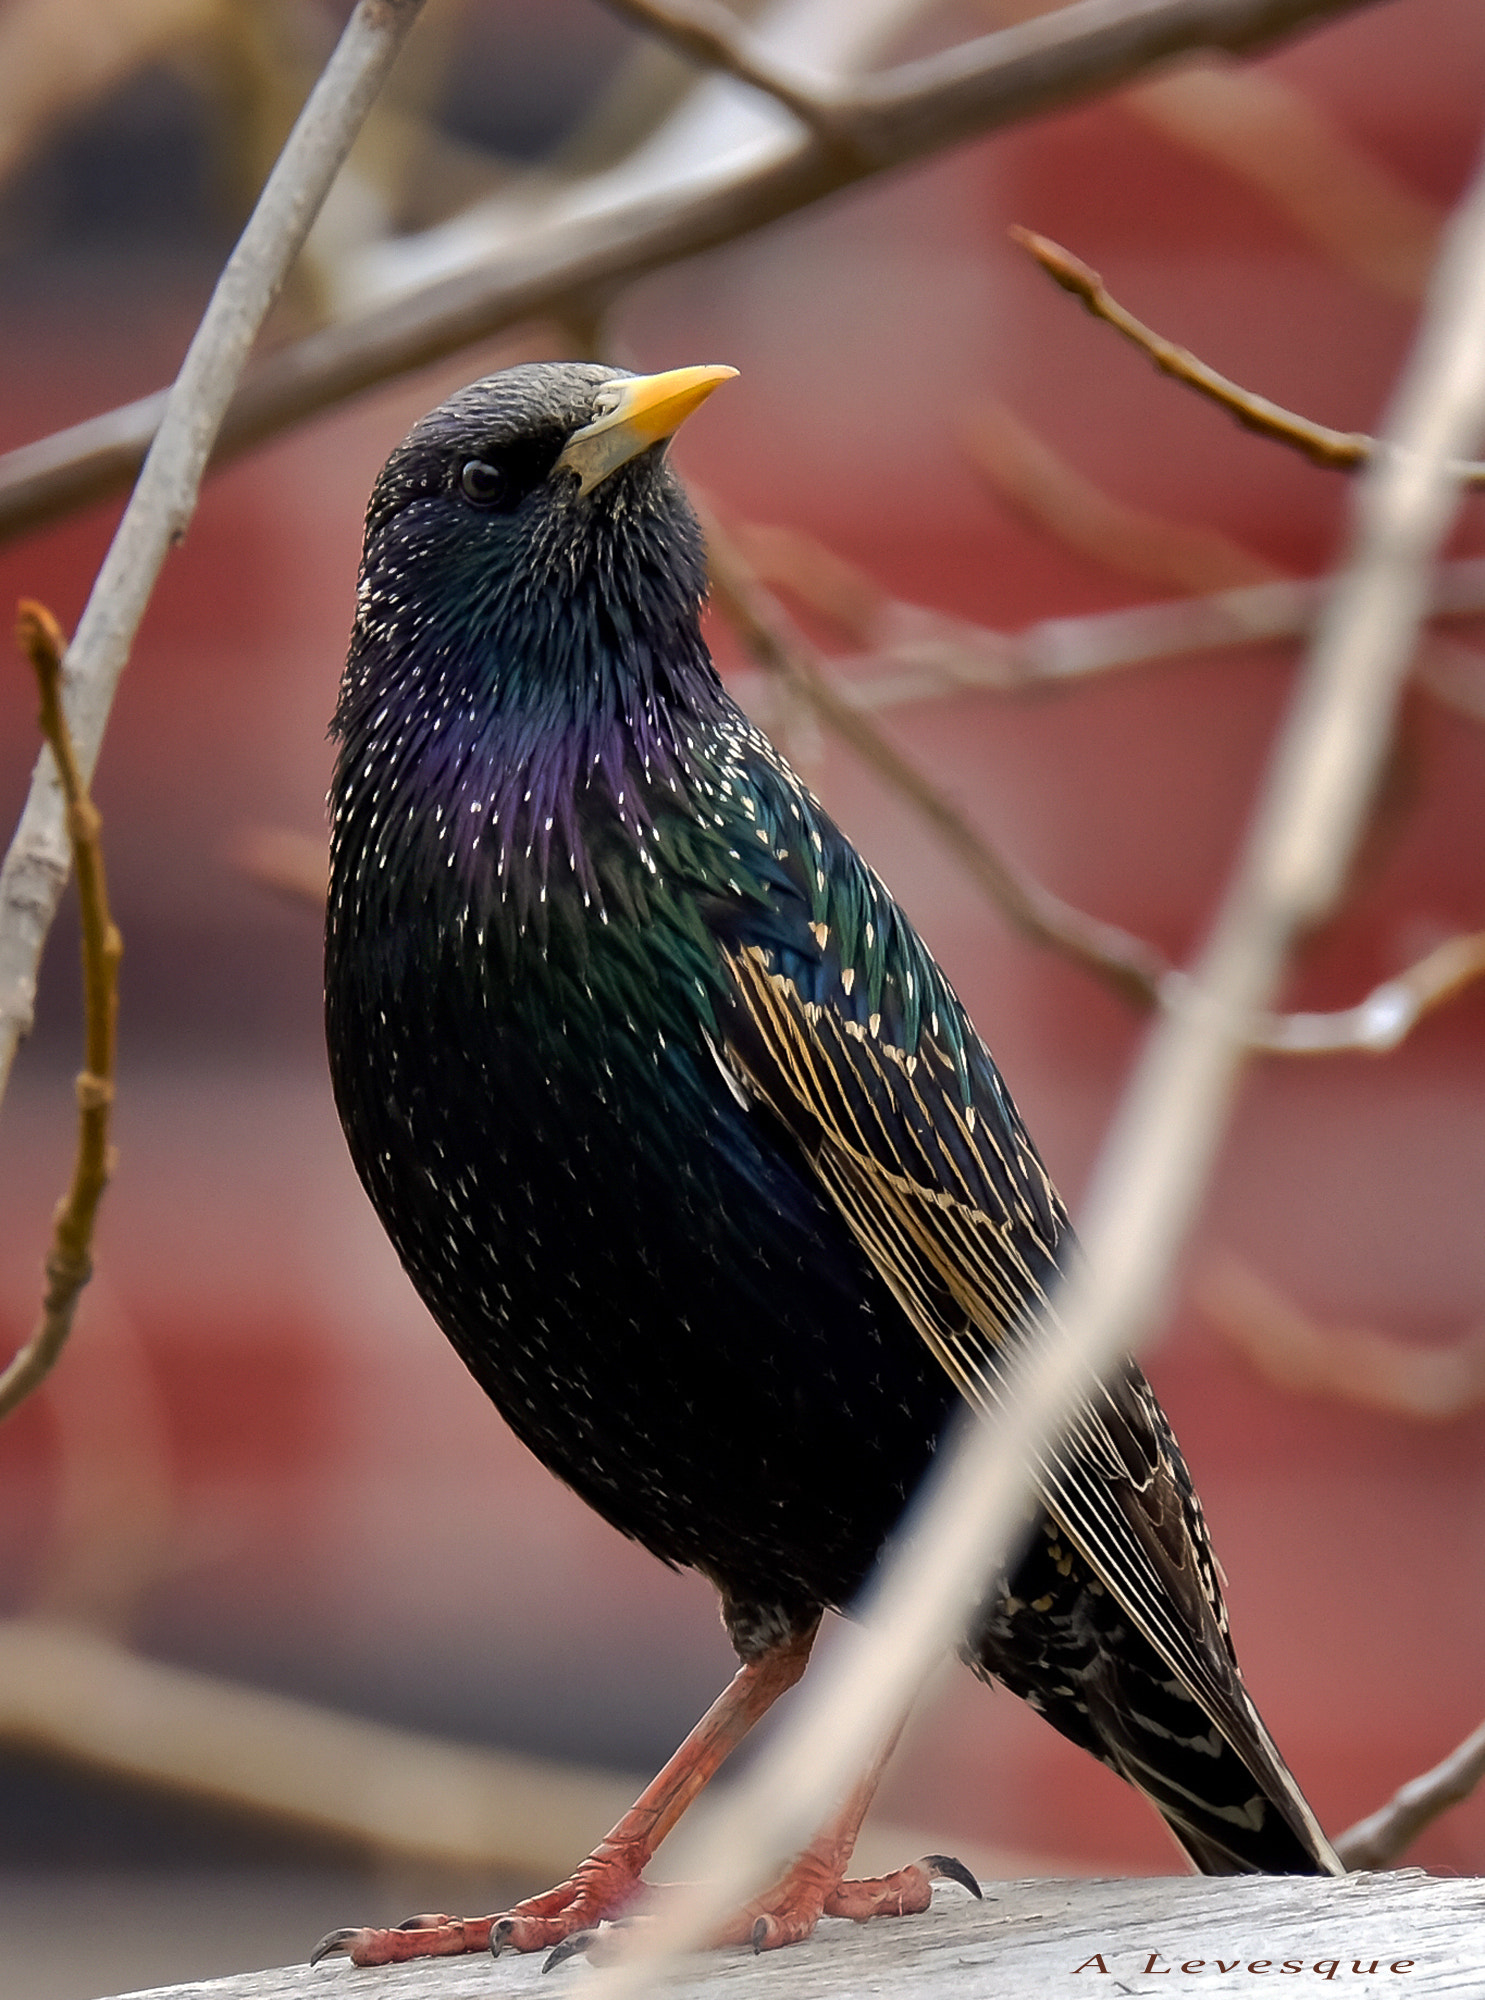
x,y
482,484
498,479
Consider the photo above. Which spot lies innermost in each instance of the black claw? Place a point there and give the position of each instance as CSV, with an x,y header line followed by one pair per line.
x,y
500,1935
333,1942
945,1868
577,1941
760,1935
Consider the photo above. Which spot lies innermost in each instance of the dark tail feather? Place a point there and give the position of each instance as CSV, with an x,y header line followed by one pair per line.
x,y
1234,1812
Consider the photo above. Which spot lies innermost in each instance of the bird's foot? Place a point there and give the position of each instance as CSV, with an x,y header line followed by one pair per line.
x,y
605,1886
814,1888
601,1888
414,1937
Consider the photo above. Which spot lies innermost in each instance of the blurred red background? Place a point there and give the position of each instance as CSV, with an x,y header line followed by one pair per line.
x,y
256,1413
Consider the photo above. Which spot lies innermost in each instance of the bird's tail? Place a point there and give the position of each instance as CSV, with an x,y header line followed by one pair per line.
x,y
1228,1797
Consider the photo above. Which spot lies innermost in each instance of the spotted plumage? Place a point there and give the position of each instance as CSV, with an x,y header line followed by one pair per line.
x,y
678,1127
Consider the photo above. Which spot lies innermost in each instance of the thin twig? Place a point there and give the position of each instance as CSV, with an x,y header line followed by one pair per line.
x,y
711,34
80,1697
1342,450
69,1262
1040,487
1131,966
903,115
160,510
66,1692
1155,1164
1136,969
905,652
1388,1014
1056,651
1347,1364
293,865
1377,1841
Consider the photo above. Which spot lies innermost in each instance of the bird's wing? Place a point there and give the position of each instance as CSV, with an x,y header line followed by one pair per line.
x,y
841,1022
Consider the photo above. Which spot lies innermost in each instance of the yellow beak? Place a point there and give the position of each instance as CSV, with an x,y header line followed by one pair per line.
x,y
636,411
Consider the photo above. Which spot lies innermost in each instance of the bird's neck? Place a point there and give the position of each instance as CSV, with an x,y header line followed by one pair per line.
x,y
492,766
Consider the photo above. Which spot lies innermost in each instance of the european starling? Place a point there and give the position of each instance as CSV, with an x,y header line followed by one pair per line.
x,y
691,1149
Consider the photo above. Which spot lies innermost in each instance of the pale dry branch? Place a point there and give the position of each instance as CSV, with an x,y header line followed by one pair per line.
x,y
1042,489
909,652
1379,1840
1389,1013
1133,966
1346,1364
69,1262
1153,1169
711,34
160,510
1343,451
76,1695
81,1698
902,115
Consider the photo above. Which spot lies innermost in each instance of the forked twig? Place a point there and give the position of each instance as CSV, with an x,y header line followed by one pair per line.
x,y
1378,1840
1343,450
1388,1014
69,1262
712,34
1136,969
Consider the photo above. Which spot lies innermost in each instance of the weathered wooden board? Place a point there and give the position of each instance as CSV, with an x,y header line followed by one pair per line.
x,y
1252,1935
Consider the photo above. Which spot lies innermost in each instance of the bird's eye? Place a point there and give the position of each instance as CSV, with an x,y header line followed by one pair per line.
x,y
481,483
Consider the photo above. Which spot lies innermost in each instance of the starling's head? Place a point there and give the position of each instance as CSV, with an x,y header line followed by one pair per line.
x,y
545,483
528,613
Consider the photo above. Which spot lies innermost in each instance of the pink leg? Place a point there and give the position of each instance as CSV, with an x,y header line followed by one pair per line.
x,y
610,1881
816,1884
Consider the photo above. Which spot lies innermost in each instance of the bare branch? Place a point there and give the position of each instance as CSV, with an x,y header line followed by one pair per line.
x,y
903,115
1388,1014
1155,1164
1358,1365
1133,967
711,33
1378,1841
164,500
909,652
69,1262
1341,450
1042,489
79,1696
